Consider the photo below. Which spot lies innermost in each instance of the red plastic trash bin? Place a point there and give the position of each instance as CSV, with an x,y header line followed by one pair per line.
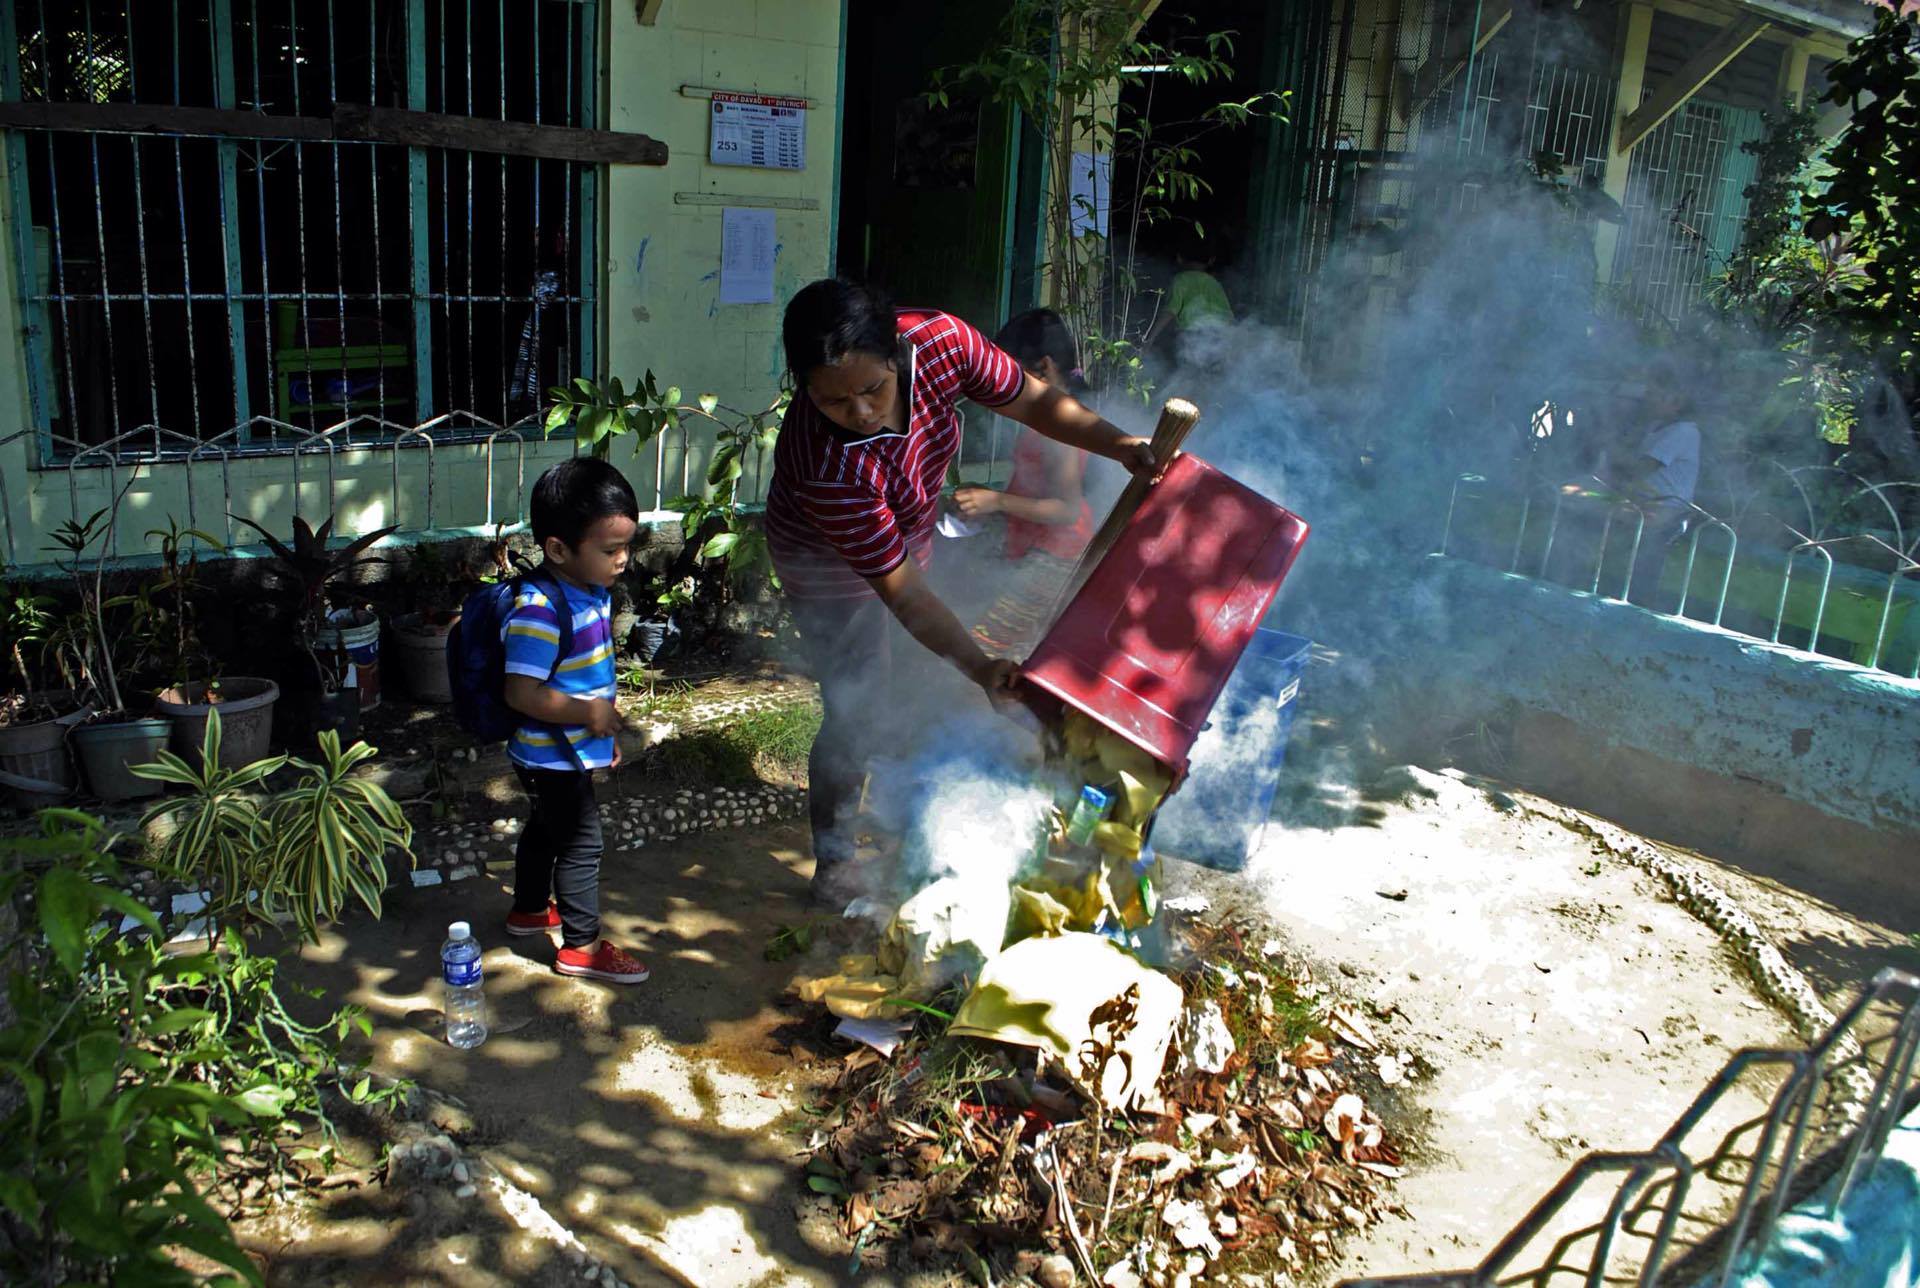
x,y
1149,641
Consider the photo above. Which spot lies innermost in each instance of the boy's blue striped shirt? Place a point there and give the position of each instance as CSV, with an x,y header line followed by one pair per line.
x,y
532,639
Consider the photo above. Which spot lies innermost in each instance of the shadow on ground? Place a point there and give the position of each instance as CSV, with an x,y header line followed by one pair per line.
x,y
651,1120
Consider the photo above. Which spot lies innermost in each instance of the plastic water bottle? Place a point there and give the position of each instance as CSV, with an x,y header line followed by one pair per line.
x,y
461,974
1087,813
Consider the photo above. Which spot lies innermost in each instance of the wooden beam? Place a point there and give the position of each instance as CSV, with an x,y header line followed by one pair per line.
x,y
1705,64
1635,34
1139,20
163,118
509,138
353,122
647,11
1793,73
1443,64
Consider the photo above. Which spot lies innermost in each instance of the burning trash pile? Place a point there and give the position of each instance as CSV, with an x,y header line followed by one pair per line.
x,y
1064,1076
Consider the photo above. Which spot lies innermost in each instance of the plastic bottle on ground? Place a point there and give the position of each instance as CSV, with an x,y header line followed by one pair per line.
x,y
462,977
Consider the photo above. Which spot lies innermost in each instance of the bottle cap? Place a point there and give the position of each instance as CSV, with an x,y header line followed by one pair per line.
x,y
1094,796
459,930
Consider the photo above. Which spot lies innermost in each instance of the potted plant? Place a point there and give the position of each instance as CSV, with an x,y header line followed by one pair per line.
x,y
186,680
34,722
655,636
341,641
420,636
109,742
297,853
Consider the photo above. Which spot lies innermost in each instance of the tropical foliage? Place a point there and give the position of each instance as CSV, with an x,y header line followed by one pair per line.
x,y
298,853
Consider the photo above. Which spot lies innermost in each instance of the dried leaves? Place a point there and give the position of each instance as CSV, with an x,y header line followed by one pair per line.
x,y
1256,1158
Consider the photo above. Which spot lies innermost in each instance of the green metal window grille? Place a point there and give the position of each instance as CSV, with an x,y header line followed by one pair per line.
x,y
192,287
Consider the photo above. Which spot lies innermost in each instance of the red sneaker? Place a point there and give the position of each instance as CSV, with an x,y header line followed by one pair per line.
x,y
534,923
602,961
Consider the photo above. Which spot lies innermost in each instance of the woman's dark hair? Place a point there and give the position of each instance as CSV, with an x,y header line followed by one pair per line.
x,y
1042,333
833,317
574,495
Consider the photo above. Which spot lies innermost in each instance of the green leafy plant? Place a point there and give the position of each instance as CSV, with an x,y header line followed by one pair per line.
x,y
600,412
299,853
27,619
1065,65
136,1082
1872,190
313,570
161,625
739,542
328,836
676,596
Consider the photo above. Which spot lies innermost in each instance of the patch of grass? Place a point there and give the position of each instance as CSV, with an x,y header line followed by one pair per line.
x,y
656,701
779,737
752,747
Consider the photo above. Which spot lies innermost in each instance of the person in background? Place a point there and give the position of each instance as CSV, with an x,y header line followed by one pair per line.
x,y
1648,462
1657,467
1048,519
862,456
1195,307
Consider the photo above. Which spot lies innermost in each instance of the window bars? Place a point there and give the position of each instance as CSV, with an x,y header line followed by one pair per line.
x,y
196,287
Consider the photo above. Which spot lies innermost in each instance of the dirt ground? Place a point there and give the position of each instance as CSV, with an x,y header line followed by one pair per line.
x,y
1562,1002
650,1120
1552,1000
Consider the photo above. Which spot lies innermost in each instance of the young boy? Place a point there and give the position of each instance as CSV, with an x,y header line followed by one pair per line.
x,y
584,516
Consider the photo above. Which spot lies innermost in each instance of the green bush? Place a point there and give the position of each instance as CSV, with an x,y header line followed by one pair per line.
x,y
299,852
126,1074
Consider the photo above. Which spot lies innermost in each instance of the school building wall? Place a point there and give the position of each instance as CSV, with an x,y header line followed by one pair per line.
x,y
659,292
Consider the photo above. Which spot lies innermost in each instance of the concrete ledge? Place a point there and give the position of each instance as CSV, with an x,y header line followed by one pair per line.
x,y
1823,733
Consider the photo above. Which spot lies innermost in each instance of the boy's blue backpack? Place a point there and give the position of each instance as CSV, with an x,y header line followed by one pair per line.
x,y
477,655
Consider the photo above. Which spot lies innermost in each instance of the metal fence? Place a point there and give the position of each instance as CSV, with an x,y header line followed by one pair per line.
x,y
1848,594
190,261
1815,1124
401,469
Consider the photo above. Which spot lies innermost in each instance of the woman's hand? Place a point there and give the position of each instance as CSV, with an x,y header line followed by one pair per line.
x,y
976,502
1137,455
997,675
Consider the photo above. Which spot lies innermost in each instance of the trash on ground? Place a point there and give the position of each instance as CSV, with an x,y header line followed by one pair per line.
x,y
1106,1018
883,1036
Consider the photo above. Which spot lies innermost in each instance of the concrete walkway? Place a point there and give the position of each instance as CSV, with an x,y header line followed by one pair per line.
x,y
1562,1001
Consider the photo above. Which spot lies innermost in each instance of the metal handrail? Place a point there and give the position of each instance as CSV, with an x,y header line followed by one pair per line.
x,y
1869,1130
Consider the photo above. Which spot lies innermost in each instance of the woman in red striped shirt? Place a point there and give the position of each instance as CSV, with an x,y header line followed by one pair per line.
x,y
861,458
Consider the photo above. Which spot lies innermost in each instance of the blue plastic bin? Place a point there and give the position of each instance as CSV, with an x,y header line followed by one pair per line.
x,y
1217,816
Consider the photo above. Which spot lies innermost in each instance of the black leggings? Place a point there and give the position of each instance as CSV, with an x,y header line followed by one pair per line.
x,y
559,854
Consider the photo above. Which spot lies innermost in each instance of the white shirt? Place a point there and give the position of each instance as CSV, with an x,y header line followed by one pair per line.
x,y
1677,448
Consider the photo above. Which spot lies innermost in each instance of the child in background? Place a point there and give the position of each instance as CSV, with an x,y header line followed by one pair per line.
x,y
1195,307
1048,519
584,516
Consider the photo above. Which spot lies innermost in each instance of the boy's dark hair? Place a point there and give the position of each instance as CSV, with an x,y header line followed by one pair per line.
x,y
569,498
1042,333
833,317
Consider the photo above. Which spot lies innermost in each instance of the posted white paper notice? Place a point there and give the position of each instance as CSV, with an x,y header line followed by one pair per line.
x,y
746,256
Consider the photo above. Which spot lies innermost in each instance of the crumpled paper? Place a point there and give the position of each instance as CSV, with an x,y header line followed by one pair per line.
x,y
949,929
1070,995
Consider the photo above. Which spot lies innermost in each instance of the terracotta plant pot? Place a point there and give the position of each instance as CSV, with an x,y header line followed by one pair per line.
x,y
108,751
420,655
246,719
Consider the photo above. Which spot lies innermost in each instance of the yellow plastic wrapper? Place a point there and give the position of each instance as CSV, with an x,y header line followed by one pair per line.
x,y
1139,798
1036,912
857,992
1116,839
1048,992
